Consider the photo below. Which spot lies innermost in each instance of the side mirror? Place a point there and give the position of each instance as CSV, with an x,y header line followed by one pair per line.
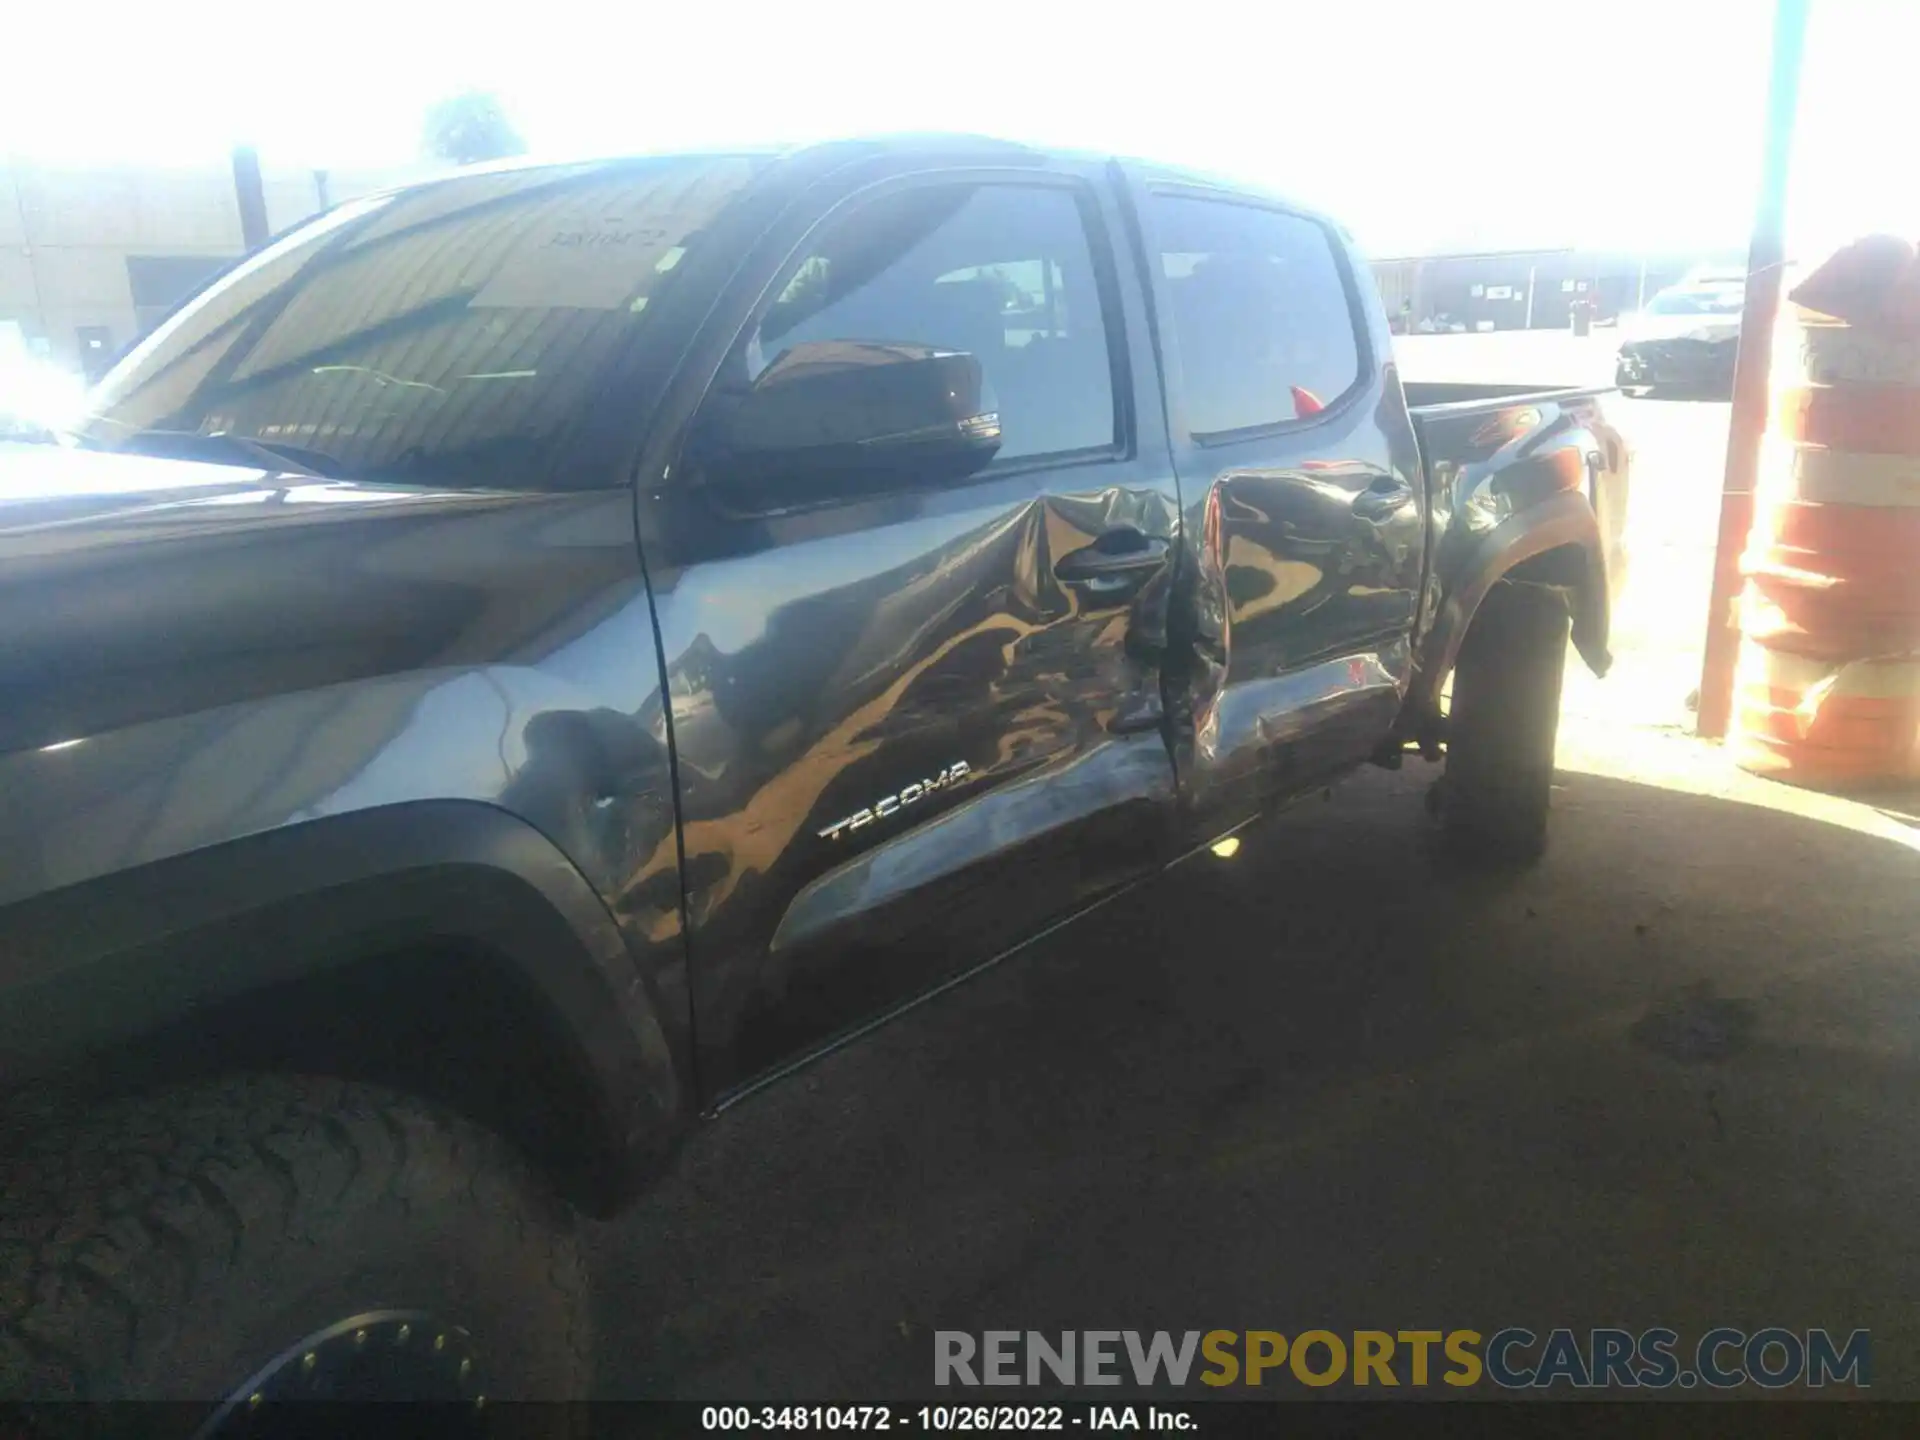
x,y
840,418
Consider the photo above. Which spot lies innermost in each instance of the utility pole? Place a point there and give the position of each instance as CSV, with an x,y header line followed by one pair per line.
x,y
251,196
1766,256
27,252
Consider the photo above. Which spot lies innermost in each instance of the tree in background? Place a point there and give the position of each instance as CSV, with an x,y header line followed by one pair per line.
x,y
469,128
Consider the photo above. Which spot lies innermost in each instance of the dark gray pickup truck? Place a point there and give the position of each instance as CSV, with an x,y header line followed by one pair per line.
x,y
530,657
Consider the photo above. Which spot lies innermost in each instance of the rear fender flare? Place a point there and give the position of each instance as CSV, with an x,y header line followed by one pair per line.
x,y
1557,522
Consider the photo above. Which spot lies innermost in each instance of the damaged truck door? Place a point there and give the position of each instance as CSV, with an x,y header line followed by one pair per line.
x,y
912,576
1301,474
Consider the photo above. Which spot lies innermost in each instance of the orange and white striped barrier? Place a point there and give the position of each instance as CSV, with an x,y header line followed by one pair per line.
x,y
1827,688
1833,560
1825,723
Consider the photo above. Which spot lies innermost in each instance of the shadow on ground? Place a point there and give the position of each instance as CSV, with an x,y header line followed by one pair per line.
x,y
1667,1077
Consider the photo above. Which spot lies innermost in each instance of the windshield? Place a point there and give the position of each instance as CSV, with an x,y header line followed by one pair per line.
x,y
447,334
1697,302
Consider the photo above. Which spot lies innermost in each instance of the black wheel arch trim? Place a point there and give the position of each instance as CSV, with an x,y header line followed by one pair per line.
x,y
1555,523
129,953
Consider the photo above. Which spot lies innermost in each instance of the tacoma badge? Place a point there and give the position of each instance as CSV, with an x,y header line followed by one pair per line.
x,y
957,773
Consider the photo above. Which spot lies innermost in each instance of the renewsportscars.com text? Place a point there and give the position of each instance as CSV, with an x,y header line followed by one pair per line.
x,y
1514,1358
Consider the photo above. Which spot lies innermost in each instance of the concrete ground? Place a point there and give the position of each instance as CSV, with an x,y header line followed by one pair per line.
x,y
1667,1077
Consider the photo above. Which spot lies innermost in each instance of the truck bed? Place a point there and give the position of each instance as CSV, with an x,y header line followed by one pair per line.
x,y
1516,445
1455,397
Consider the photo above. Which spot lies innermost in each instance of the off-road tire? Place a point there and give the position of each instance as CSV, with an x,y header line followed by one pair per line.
x,y
169,1247
1503,724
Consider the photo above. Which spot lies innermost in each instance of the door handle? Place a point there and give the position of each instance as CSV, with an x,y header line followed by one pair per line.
x,y
1119,558
1382,500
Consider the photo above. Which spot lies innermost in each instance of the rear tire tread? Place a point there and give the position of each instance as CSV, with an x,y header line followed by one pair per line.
x,y
1504,723
151,1202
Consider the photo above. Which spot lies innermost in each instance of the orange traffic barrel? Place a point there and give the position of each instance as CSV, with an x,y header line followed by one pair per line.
x,y
1827,687
1818,723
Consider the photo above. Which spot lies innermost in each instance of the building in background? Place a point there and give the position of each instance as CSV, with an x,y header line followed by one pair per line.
x,y
93,258
1530,289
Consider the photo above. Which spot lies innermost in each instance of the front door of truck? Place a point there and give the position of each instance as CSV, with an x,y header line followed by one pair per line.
x,y
914,727
1300,472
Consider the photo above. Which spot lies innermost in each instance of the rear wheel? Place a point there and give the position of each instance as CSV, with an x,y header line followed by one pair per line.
x,y
282,1238
1504,723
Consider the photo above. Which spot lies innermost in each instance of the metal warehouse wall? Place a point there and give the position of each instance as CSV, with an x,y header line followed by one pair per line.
x,y
1530,289
91,258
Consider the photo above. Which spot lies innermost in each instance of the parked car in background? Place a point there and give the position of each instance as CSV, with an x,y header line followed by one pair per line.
x,y
1685,340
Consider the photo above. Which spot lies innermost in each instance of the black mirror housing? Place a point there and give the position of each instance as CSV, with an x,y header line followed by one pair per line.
x,y
845,417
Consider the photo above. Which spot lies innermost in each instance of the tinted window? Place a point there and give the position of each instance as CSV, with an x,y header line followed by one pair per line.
x,y
1259,312
449,334
1003,272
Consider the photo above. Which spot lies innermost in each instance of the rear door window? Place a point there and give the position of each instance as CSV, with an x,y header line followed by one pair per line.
x,y
1261,315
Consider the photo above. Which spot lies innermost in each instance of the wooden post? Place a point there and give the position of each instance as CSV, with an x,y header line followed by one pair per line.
x,y
1766,255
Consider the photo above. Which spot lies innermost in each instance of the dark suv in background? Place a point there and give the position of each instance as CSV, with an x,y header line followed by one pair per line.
x,y
1685,340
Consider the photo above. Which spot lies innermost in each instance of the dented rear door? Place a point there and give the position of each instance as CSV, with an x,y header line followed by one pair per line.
x,y
914,729
1306,528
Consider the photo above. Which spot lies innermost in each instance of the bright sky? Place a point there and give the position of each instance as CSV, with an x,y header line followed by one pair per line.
x,y
1482,123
